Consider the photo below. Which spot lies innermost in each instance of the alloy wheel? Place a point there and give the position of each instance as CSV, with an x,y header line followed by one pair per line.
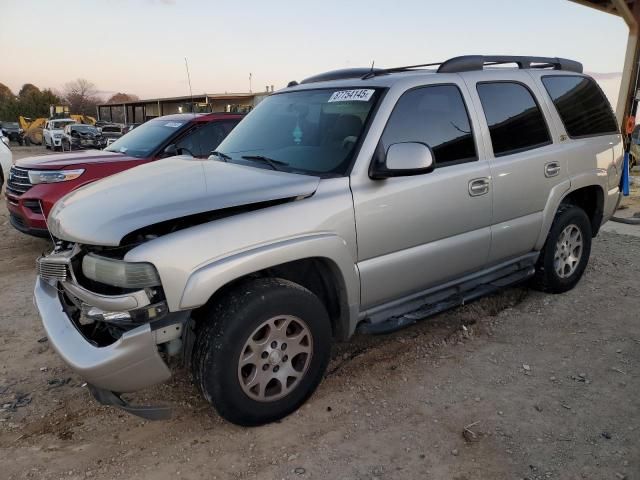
x,y
275,358
568,251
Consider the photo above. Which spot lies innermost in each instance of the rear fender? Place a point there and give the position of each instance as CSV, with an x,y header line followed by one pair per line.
x,y
561,191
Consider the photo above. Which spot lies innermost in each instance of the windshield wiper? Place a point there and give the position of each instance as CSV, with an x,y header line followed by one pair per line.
x,y
221,155
273,163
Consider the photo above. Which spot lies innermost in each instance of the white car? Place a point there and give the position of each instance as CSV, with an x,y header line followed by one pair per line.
x,y
6,160
53,131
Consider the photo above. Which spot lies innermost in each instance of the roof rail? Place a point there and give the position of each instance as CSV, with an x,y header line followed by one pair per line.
x,y
465,63
468,63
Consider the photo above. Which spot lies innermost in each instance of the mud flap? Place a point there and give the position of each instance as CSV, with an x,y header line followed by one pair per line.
x,y
148,412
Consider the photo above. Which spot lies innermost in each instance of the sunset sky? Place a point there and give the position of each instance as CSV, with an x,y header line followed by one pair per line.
x,y
138,46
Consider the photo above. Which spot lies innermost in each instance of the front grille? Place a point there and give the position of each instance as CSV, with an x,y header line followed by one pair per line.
x,y
18,181
51,269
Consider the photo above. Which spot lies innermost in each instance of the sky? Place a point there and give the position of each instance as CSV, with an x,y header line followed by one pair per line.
x,y
139,46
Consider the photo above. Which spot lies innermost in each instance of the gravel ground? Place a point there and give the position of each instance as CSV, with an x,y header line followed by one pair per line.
x,y
517,385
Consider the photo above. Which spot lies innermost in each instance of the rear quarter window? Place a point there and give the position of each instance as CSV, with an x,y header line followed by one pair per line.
x,y
583,108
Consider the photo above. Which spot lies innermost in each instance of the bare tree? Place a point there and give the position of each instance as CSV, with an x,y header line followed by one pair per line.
x,y
122,98
82,96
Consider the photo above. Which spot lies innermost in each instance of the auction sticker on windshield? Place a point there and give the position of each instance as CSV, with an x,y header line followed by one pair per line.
x,y
173,124
360,95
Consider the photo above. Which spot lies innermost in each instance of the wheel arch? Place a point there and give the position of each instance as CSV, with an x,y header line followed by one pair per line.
x,y
586,191
321,263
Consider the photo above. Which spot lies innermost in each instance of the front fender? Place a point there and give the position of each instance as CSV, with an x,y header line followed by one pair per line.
x,y
209,278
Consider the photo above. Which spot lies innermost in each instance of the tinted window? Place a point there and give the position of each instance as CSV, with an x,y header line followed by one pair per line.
x,y
205,139
582,106
436,116
515,121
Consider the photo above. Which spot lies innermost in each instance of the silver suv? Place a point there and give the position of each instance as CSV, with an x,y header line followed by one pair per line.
x,y
358,199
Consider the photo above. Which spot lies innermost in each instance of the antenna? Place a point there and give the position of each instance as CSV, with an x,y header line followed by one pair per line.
x,y
250,75
186,64
373,62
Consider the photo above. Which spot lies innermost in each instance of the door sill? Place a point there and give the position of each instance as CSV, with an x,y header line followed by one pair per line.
x,y
401,313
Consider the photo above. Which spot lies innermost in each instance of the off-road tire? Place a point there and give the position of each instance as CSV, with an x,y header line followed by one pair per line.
x,y
546,278
226,328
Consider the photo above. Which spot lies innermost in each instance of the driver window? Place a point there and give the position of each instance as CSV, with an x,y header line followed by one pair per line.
x,y
436,116
203,140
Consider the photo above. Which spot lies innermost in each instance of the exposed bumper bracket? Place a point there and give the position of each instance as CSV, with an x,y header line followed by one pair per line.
x,y
148,412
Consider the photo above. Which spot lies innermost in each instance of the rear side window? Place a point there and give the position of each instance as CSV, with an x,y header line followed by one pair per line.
x,y
434,115
582,106
515,121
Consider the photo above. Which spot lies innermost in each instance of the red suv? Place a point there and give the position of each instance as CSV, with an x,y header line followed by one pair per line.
x,y
35,184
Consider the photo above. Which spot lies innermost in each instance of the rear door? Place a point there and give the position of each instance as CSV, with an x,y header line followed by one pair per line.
x,y
526,158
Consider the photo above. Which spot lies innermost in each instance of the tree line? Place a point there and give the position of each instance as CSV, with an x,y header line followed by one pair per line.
x,y
81,96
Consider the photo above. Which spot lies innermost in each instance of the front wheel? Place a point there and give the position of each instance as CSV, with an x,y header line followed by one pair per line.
x,y
263,351
566,251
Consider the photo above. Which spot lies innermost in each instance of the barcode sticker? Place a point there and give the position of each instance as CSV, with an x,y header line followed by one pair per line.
x,y
360,95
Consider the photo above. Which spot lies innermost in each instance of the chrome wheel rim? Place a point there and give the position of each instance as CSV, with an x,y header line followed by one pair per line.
x,y
275,357
568,251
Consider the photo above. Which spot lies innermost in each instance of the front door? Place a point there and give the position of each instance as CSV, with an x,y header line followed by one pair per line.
x,y
420,231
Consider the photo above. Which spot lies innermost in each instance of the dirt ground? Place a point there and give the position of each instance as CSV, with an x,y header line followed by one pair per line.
x,y
520,385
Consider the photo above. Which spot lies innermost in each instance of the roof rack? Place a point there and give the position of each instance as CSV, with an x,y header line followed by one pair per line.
x,y
468,63
465,63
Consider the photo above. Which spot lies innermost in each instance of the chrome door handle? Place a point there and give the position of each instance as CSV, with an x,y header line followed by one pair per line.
x,y
551,169
478,186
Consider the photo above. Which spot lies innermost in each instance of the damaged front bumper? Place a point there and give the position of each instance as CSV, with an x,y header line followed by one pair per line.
x,y
131,363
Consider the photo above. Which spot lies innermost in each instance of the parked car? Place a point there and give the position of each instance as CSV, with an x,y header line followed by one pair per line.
x,y
112,132
360,198
130,126
53,131
6,160
80,136
39,182
12,131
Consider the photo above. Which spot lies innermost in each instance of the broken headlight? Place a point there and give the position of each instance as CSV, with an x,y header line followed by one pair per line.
x,y
119,273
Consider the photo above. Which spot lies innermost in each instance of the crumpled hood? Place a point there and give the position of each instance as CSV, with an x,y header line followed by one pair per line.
x,y
102,213
69,159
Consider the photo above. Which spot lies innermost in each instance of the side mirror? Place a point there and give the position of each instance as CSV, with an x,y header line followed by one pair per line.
x,y
404,159
170,151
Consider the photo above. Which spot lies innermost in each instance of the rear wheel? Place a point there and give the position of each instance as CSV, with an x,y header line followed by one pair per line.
x,y
565,254
263,351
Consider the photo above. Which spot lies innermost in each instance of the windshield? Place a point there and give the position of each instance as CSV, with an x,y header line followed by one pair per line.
x,y
10,125
311,131
147,138
61,125
84,129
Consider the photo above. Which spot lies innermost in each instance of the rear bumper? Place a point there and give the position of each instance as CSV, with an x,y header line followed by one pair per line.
x,y
131,363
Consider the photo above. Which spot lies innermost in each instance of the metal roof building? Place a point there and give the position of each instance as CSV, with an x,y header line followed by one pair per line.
x,y
139,111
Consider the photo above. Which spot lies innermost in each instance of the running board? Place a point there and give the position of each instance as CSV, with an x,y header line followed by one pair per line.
x,y
148,412
451,297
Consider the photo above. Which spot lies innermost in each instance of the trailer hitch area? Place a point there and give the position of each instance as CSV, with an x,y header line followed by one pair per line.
x,y
148,412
